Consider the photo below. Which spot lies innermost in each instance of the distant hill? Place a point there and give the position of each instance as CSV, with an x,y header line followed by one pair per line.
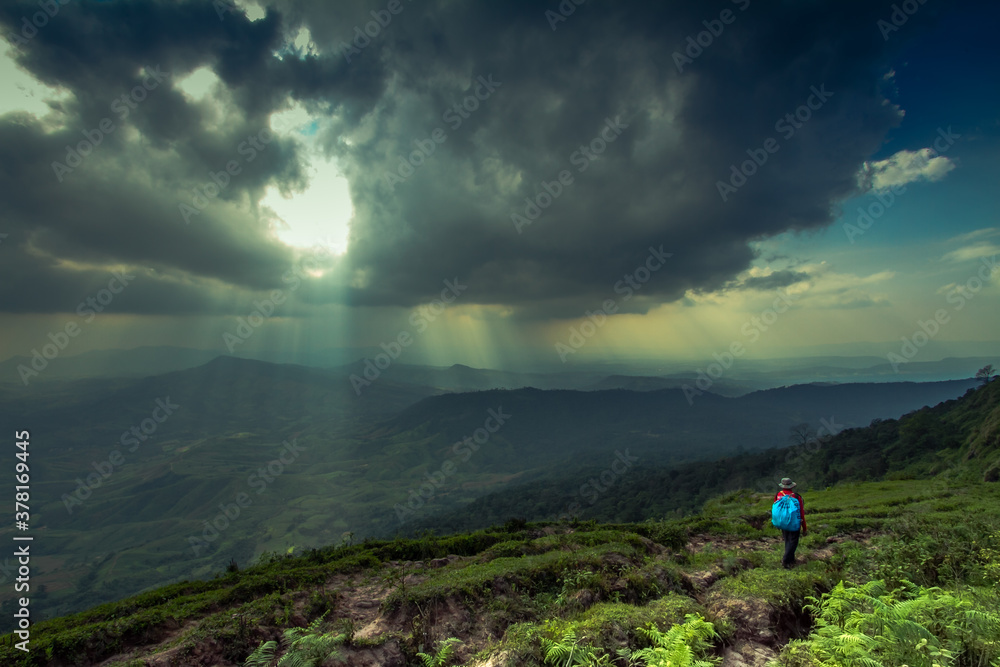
x,y
460,378
848,369
136,362
562,426
956,440
654,383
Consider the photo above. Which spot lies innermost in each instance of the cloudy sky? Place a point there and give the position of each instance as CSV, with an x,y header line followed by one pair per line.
x,y
171,168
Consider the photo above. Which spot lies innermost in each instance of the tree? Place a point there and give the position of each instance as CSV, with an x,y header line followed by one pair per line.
x,y
986,374
800,434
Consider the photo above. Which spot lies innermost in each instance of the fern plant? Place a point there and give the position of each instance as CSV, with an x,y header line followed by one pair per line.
x,y
443,655
303,647
683,645
569,653
868,626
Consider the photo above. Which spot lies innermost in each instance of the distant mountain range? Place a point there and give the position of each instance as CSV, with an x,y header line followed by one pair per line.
x,y
956,443
744,376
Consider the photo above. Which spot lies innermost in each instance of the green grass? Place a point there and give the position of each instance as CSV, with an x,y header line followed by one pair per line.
x,y
535,574
780,588
601,582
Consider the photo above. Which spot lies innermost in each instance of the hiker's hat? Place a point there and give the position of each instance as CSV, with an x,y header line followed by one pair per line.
x,y
787,483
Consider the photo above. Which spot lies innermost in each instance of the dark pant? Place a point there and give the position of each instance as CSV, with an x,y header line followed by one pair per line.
x,y
791,544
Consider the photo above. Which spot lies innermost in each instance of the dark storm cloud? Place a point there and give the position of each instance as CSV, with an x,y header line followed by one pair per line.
x,y
121,204
774,281
609,70
654,185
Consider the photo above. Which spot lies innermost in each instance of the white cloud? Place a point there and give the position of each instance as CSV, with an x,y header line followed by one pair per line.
x,y
905,167
985,232
827,288
972,252
198,84
294,120
253,10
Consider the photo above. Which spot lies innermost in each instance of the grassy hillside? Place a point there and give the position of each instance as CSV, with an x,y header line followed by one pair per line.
x,y
509,594
902,571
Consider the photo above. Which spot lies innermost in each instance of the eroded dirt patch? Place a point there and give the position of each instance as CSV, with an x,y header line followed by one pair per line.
x,y
748,654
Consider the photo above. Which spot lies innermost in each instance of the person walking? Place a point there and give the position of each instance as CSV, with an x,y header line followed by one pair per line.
x,y
783,517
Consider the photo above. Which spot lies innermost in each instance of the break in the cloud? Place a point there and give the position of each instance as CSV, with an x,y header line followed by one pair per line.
x,y
767,279
905,167
832,289
666,139
813,285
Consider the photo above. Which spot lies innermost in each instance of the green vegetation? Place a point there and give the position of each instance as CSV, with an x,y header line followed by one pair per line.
x,y
443,654
307,647
895,571
882,559
681,646
870,625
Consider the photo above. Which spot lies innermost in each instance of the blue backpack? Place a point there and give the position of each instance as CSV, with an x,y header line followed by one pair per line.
x,y
785,513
